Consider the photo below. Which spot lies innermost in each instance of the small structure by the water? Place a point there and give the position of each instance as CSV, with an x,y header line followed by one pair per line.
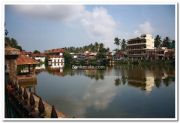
x,y
11,54
28,105
21,68
26,68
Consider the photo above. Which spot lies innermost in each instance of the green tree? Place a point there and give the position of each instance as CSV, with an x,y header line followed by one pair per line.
x,y
157,41
12,43
68,58
117,41
166,42
173,44
96,45
36,51
101,45
123,45
117,82
6,32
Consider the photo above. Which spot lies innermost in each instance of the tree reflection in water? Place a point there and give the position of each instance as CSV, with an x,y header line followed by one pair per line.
x,y
144,77
117,82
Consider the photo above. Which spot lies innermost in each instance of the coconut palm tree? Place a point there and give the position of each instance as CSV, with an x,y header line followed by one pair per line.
x,y
117,41
157,41
166,42
123,45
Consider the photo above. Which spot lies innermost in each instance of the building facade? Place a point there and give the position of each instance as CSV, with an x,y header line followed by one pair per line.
x,y
136,47
55,57
40,57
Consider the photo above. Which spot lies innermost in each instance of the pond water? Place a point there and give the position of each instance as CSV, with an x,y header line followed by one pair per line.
x,y
116,92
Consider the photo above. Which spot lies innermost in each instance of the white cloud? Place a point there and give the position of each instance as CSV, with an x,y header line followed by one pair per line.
x,y
144,28
52,12
98,24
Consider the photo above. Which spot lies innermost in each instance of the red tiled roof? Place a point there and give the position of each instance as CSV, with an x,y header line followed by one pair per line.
x,y
55,56
38,55
25,52
59,50
25,60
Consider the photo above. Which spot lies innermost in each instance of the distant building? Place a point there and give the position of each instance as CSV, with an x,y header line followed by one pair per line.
x,y
119,55
136,47
89,55
40,57
55,56
74,55
23,52
109,56
161,54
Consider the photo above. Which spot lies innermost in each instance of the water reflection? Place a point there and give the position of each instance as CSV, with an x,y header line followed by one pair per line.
x,y
137,76
40,67
144,77
75,92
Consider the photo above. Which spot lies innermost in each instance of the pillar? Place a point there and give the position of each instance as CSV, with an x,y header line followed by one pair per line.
x,y
11,55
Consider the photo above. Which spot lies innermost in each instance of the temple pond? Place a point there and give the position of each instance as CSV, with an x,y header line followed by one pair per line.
x,y
116,92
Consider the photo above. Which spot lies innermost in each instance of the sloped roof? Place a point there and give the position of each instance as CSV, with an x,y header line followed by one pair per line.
x,y
11,51
55,56
25,60
38,55
59,50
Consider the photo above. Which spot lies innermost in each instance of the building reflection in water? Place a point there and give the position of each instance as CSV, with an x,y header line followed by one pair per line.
x,y
144,78
56,68
136,76
88,93
40,67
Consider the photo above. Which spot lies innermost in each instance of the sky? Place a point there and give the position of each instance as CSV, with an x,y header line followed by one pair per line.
x,y
43,27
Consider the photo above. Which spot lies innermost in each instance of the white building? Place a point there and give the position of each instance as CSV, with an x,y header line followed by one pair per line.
x,y
57,65
40,57
40,67
136,47
55,57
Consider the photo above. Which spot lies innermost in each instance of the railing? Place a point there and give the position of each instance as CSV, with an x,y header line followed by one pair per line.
x,y
29,105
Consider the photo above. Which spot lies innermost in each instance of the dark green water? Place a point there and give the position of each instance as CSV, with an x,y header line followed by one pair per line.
x,y
116,92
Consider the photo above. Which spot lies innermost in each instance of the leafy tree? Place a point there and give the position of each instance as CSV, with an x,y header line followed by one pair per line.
x,y
36,51
12,43
101,45
173,44
6,32
117,41
157,41
166,42
68,58
117,82
123,45
96,45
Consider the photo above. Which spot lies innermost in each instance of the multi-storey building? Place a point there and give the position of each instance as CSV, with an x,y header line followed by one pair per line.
x,y
136,47
55,56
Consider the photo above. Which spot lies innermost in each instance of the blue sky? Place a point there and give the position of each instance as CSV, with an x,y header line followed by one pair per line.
x,y
54,26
